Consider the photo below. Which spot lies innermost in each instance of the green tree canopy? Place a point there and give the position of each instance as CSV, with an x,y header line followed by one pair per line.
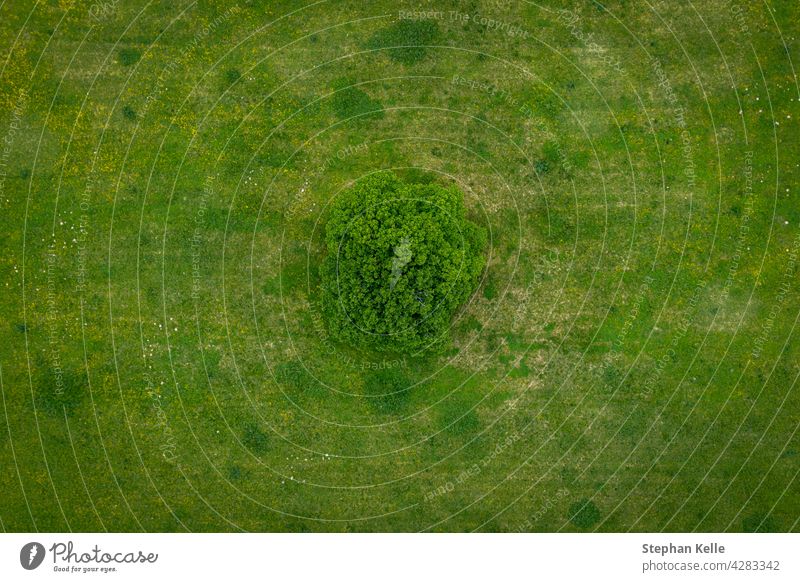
x,y
401,259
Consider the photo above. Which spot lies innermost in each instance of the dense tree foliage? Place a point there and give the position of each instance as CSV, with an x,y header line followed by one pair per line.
x,y
401,259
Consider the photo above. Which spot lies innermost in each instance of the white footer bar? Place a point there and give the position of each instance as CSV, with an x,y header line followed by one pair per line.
x,y
389,557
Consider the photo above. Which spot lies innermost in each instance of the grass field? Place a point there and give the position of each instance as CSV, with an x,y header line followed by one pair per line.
x,y
628,363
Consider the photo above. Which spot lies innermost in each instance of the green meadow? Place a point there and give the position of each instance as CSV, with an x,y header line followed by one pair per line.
x,y
628,362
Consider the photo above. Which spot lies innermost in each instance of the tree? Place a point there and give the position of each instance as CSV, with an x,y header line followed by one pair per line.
x,y
401,259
